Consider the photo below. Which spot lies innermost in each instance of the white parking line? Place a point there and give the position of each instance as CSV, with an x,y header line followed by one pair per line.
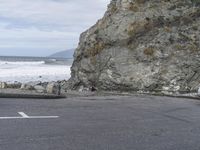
x,y
42,117
1,118
25,116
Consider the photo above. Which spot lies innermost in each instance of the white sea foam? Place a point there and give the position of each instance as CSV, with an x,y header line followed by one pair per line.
x,y
32,71
16,63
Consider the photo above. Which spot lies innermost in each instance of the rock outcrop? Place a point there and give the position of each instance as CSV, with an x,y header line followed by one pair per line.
x,y
141,45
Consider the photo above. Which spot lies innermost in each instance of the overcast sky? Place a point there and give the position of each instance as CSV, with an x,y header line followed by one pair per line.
x,y
42,27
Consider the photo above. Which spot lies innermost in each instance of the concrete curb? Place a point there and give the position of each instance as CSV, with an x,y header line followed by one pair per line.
x,y
31,96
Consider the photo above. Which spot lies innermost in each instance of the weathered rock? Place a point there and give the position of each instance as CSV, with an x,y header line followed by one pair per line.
x,y
83,89
53,88
64,86
3,85
141,45
32,85
198,91
39,89
27,87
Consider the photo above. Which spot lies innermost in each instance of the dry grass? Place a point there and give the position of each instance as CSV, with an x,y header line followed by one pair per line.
x,y
168,29
96,49
114,9
132,28
163,71
193,48
139,27
149,51
133,7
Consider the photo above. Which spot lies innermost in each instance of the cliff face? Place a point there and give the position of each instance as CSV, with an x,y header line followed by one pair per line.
x,y
141,44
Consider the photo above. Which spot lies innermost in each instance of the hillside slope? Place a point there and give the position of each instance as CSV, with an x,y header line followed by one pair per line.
x,y
63,54
149,45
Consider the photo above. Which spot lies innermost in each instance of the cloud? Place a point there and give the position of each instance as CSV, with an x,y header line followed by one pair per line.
x,y
41,23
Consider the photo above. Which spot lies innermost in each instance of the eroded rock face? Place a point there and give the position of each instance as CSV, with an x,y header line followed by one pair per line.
x,y
141,45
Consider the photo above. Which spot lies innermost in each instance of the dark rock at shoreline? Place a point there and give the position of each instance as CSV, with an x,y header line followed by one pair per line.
x,y
141,45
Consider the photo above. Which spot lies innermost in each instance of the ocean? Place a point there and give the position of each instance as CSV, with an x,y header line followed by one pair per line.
x,y
31,69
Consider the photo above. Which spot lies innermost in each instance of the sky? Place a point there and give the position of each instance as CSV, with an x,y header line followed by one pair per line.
x,y
43,27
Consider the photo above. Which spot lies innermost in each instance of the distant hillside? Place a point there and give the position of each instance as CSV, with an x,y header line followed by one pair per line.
x,y
63,54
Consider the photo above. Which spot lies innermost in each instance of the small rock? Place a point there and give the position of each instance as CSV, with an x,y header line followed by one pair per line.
x,y
199,91
80,88
3,85
84,89
34,83
53,88
27,87
30,85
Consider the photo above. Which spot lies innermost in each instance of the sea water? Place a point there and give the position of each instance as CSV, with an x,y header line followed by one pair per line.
x,y
30,69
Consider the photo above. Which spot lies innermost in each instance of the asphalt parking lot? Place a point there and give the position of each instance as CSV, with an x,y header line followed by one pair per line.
x,y
100,123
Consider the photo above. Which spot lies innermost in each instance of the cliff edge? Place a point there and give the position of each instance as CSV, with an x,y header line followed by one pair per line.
x,y
141,45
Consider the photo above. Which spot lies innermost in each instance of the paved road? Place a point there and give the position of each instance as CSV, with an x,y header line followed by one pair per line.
x,y
101,123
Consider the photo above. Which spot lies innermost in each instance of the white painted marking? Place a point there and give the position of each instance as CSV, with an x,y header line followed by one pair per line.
x,y
23,114
43,117
11,118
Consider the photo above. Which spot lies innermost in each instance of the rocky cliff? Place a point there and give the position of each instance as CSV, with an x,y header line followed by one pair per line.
x,y
141,45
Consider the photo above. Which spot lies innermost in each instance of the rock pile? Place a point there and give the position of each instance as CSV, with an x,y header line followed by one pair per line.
x,y
39,87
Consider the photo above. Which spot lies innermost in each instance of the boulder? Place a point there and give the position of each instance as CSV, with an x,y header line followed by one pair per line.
x,y
3,85
39,89
27,87
53,88
31,85
34,83
198,92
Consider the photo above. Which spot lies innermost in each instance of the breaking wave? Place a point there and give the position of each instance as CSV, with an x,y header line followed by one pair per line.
x,y
22,63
